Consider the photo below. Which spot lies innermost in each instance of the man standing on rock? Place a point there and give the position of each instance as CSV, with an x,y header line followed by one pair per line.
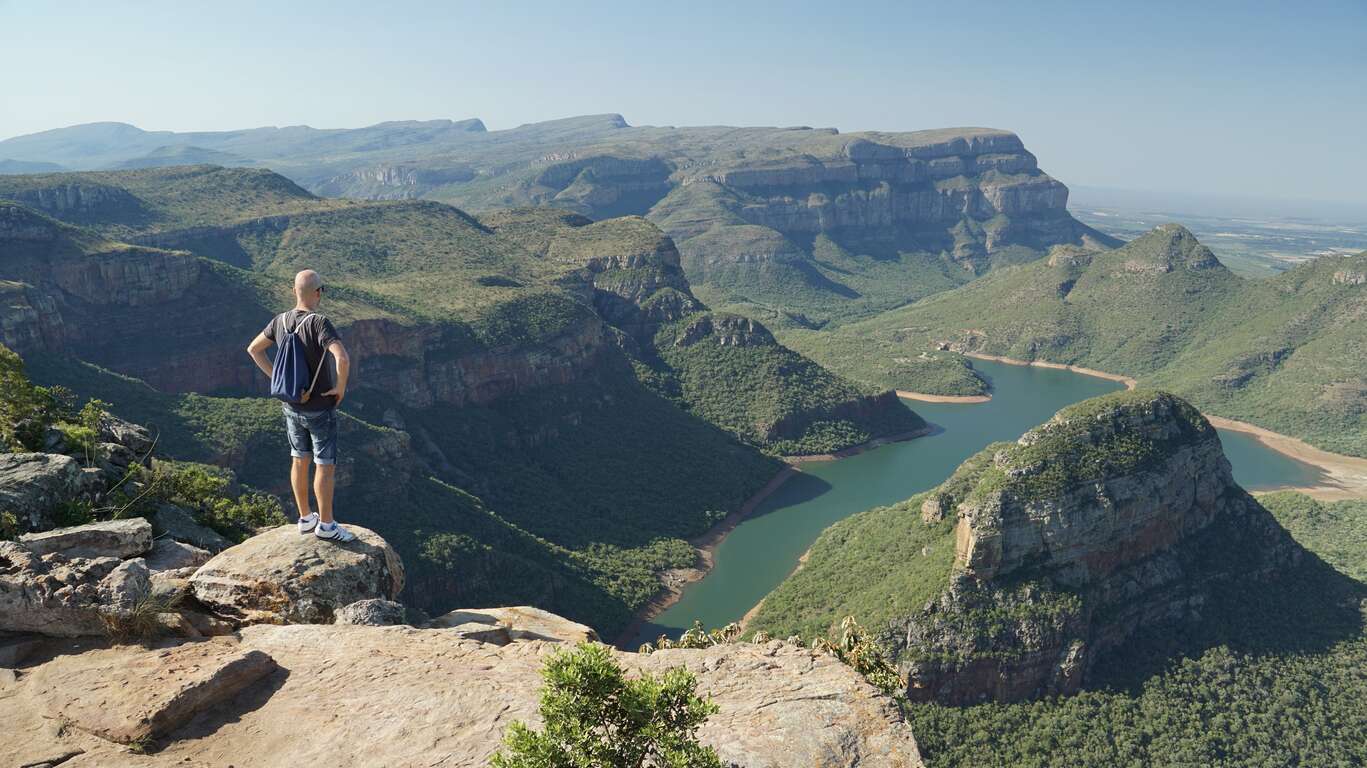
x,y
311,424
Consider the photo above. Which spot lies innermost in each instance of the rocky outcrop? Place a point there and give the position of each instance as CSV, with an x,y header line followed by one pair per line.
x,y
1350,277
33,485
969,195
371,612
29,319
391,181
425,696
515,623
414,364
283,577
67,597
1088,527
113,538
726,330
83,200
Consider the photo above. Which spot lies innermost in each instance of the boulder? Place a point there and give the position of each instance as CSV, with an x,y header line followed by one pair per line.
x,y
128,585
53,595
112,538
522,622
282,577
130,695
127,434
372,613
32,485
170,555
176,523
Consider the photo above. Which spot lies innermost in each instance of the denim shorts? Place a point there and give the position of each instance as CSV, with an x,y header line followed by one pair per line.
x,y
312,433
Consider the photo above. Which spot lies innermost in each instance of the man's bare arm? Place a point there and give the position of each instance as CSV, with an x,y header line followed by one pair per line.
x,y
257,349
343,370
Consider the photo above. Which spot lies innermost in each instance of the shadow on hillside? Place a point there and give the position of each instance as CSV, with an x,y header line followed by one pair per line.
x,y
797,489
1303,608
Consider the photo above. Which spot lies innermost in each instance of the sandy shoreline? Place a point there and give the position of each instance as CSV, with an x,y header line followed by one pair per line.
x,y
1347,474
706,545
1128,381
923,397
862,447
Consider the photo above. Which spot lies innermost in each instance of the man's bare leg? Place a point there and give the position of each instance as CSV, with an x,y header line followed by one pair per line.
x,y
323,478
299,482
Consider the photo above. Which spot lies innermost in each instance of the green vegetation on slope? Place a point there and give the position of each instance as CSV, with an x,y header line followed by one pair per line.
x,y
1221,708
729,371
876,566
1336,531
1287,353
123,203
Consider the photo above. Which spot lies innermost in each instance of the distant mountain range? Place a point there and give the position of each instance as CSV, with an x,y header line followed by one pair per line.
x,y
795,226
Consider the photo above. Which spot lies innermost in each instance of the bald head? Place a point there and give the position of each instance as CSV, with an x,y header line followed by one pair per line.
x,y
308,287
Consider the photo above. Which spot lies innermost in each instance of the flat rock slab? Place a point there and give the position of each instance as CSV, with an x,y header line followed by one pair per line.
x,y
281,577
427,698
112,538
131,695
523,622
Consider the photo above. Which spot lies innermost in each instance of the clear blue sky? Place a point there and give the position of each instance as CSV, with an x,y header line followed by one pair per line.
x,y
1221,97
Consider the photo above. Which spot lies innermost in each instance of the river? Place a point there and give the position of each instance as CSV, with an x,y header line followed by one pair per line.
x,y
765,547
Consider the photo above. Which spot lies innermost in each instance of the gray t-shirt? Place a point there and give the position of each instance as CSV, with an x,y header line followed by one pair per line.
x,y
317,332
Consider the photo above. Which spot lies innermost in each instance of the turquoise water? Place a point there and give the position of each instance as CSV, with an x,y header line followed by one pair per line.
x,y
765,547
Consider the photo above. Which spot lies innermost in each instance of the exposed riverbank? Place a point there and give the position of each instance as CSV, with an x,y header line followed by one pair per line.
x,y
1129,382
923,397
674,581
1347,474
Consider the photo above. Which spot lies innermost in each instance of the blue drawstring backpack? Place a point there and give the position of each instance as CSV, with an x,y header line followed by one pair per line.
x,y
290,372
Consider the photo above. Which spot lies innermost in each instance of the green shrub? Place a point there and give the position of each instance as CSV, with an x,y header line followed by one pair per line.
x,y
595,716
9,526
79,439
26,411
74,512
251,510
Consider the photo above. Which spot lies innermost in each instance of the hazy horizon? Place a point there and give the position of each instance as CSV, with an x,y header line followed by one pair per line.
x,y
1241,99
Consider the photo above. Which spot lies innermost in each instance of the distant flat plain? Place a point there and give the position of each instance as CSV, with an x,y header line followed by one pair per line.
x,y
1252,238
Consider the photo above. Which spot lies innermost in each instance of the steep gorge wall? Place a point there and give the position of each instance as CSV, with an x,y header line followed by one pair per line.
x,y
1116,515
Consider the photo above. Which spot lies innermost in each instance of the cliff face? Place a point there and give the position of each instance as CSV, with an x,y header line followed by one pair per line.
x,y
407,362
1110,517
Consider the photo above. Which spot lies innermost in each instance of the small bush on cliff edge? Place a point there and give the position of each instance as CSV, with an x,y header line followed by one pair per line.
x,y
596,718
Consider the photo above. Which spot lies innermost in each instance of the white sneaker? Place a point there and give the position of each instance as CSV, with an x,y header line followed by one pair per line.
x,y
307,524
334,532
